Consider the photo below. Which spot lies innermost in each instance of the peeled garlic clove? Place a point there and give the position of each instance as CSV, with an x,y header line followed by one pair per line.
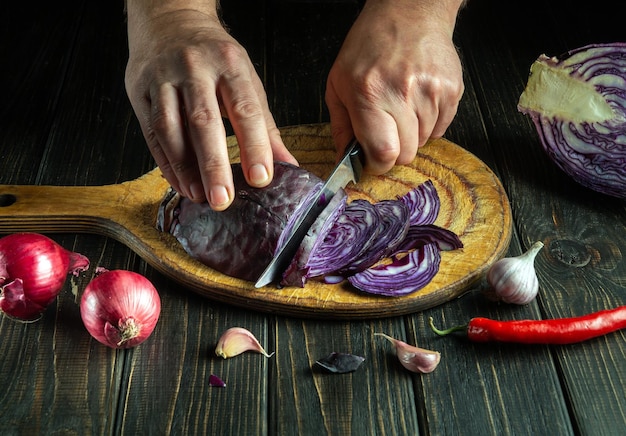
x,y
237,340
513,279
414,359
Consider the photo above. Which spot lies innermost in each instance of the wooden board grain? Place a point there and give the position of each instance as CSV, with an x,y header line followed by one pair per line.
x,y
473,205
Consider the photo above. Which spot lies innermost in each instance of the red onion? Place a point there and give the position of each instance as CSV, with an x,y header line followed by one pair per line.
x,y
33,270
120,308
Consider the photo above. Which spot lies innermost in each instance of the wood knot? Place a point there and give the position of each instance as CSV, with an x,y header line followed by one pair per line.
x,y
7,200
571,253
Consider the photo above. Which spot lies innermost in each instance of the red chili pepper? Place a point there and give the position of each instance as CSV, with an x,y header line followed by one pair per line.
x,y
547,331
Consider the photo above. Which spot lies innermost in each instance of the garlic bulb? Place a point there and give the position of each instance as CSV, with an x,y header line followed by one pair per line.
x,y
513,279
237,340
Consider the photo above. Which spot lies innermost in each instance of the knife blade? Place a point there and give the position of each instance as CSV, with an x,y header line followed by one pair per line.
x,y
348,170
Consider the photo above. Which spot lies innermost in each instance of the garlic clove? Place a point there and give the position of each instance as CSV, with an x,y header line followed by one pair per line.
x,y
237,340
413,358
514,279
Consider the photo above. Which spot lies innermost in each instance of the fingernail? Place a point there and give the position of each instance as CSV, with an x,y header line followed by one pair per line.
x,y
218,196
258,175
196,192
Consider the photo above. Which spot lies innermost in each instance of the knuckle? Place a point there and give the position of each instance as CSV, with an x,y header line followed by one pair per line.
x,y
163,123
161,120
256,149
202,117
338,131
232,54
189,57
245,107
180,167
386,154
212,165
383,157
370,85
273,131
152,141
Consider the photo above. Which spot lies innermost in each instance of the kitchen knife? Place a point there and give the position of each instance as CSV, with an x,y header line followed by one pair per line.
x,y
348,170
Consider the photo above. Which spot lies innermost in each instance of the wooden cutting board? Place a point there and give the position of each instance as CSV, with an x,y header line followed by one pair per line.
x,y
473,205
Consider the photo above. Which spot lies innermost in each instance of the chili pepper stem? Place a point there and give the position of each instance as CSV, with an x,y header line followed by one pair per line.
x,y
446,332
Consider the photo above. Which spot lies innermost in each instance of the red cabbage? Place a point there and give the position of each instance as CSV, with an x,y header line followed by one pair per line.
x,y
388,248
417,236
423,203
578,105
393,224
241,240
358,223
407,272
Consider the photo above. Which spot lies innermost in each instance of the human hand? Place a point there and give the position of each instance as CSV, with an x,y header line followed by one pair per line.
x,y
184,73
397,80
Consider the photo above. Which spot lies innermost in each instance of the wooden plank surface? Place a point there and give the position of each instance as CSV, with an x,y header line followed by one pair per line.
x,y
573,222
67,121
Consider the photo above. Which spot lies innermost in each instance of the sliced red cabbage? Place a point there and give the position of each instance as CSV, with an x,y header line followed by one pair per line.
x,y
578,105
354,231
423,203
297,272
392,227
418,236
407,273
388,248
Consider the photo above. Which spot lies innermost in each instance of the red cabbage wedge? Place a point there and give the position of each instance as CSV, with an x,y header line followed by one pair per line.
x,y
578,105
387,248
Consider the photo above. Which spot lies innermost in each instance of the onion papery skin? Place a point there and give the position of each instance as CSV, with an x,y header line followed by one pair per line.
x,y
591,149
33,270
120,308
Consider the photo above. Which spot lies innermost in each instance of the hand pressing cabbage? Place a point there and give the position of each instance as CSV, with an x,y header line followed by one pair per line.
x,y
578,105
389,248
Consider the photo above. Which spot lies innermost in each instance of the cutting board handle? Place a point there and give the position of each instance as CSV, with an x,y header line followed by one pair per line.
x,y
125,211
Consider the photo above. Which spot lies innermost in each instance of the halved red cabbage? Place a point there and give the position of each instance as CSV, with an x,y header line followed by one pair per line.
x,y
388,248
241,240
578,105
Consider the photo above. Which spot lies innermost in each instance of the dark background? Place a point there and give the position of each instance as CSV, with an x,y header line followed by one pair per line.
x,y
65,120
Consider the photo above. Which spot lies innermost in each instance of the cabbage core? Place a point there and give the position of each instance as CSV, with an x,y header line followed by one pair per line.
x,y
555,92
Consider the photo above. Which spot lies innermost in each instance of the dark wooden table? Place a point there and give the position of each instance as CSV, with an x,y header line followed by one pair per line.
x,y
65,120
